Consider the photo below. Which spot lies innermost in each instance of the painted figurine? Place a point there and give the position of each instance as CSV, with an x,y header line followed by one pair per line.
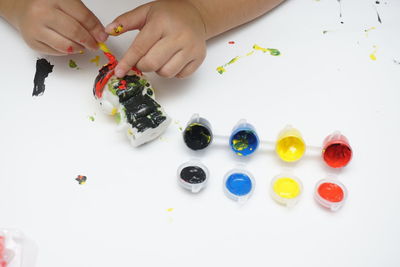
x,y
131,100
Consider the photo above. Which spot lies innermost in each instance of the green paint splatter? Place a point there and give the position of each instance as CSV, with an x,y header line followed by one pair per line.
x,y
91,118
118,117
72,64
221,69
271,51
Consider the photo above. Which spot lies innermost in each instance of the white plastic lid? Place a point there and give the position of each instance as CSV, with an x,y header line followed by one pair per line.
x,y
330,193
239,184
193,175
286,189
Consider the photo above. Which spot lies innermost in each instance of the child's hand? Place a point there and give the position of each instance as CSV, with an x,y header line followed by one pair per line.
x,y
56,27
171,42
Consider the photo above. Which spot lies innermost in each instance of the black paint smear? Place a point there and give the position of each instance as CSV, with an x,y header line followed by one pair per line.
x,y
193,175
43,68
340,11
379,17
141,110
197,136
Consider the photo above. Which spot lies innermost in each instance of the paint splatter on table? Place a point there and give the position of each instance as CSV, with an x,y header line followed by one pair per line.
x,y
272,51
43,68
81,179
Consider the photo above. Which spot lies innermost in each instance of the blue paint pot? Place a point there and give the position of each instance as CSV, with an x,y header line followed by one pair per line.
x,y
244,140
239,184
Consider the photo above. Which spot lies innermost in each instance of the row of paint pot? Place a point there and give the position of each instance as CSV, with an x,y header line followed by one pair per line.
x,y
239,184
290,145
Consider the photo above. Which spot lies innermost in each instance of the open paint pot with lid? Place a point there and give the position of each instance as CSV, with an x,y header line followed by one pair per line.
x,y
238,184
244,140
330,194
286,189
290,145
336,150
197,134
193,175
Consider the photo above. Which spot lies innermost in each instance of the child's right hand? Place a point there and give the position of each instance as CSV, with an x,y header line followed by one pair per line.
x,y
56,27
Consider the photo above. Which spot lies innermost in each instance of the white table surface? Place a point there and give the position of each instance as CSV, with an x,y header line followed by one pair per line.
x,y
320,83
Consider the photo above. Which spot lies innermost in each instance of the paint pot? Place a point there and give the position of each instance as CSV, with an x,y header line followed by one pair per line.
x,y
193,176
336,150
197,134
290,145
286,189
330,194
239,184
244,140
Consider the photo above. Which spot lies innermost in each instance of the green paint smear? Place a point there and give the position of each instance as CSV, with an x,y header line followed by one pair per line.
x,y
72,64
91,118
118,117
274,52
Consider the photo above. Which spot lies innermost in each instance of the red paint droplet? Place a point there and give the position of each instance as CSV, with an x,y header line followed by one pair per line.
x,y
331,192
231,42
122,85
336,151
70,49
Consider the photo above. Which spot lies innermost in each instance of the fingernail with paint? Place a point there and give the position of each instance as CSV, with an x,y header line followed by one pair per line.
x,y
117,30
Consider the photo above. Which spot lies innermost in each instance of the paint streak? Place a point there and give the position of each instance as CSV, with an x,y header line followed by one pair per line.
x,y
170,209
91,118
372,56
368,30
117,30
271,51
340,11
43,68
81,179
70,50
377,14
96,60
72,64
231,42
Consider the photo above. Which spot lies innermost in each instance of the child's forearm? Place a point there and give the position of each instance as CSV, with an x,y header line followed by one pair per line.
x,y
222,15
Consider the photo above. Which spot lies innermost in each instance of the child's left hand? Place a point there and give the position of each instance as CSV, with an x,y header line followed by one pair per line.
x,y
171,41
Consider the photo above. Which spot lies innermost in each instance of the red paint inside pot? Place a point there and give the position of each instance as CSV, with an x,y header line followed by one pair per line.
x,y
331,192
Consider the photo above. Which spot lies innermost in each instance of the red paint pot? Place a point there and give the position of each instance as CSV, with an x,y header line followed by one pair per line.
x,y
330,194
336,150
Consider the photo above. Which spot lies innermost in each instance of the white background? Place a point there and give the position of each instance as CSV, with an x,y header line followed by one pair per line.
x,y
320,83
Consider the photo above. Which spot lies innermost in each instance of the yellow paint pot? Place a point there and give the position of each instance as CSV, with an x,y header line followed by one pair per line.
x,y
290,145
286,189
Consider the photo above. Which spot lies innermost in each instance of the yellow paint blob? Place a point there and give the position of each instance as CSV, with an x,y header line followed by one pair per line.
x,y
95,60
117,30
287,187
290,146
170,209
103,47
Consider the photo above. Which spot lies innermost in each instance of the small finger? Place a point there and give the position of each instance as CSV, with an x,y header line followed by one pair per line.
x,y
71,29
158,55
59,42
45,49
86,18
143,42
189,69
132,20
174,65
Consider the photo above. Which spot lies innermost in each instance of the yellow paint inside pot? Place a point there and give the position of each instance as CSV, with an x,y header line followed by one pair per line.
x,y
290,146
286,187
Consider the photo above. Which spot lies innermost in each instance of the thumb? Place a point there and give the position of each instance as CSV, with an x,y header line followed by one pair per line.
x,y
132,20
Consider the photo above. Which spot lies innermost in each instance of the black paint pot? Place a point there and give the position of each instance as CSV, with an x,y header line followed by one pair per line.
x,y
193,176
197,134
